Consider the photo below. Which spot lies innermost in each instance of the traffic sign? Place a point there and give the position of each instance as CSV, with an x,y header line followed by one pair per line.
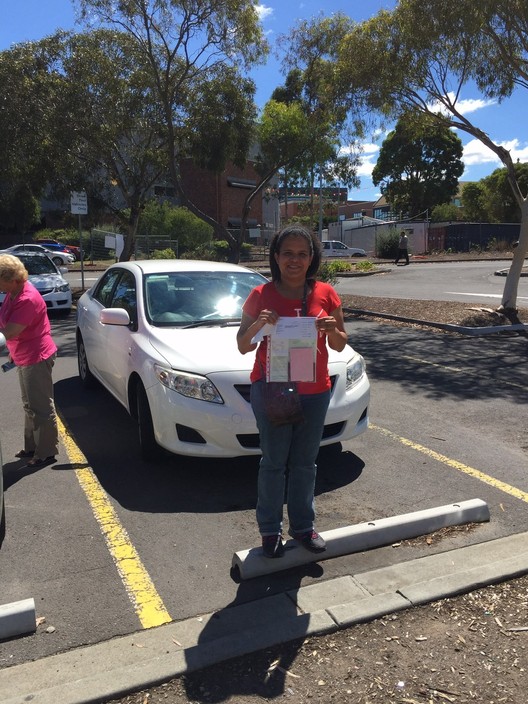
x,y
79,203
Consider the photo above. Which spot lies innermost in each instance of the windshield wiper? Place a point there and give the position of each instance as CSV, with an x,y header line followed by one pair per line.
x,y
212,322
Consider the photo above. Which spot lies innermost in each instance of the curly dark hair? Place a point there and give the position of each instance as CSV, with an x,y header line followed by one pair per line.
x,y
298,231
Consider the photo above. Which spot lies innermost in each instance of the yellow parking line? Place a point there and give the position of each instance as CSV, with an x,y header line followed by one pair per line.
x,y
477,474
137,582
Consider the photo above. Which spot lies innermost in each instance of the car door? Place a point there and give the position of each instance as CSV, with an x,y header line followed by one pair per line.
x,y
118,339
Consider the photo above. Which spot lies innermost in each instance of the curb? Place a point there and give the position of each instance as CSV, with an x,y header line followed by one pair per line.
x,y
363,536
17,618
148,658
461,329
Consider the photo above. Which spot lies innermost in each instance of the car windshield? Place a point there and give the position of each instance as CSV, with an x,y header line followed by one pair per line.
x,y
38,265
182,298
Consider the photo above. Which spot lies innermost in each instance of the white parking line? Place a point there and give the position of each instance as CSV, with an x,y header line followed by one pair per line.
x,y
483,295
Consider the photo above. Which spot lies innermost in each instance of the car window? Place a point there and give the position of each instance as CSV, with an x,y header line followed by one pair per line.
x,y
339,245
38,265
326,245
125,295
179,298
104,288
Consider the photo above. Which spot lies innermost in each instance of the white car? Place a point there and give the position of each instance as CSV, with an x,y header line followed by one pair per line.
x,y
160,335
334,248
58,258
48,280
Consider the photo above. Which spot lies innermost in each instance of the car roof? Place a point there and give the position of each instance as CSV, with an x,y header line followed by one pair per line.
x,y
160,266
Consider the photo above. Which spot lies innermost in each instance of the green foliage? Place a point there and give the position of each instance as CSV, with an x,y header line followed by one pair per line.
x,y
215,251
328,272
501,203
365,266
163,220
474,202
445,212
387,245
418,165
167,253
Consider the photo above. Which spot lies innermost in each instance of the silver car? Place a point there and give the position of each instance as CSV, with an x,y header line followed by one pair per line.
x,y
58,258
48,280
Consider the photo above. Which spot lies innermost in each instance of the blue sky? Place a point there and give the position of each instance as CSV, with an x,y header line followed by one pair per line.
x,y
23,20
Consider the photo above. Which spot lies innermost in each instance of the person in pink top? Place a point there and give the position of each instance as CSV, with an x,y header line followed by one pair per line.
x,y
290,450
26,327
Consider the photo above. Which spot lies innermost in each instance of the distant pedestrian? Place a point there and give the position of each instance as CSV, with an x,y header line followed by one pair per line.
x,y
403,248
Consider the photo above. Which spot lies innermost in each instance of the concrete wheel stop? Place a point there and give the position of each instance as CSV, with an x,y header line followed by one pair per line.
x,y
17,618
363,536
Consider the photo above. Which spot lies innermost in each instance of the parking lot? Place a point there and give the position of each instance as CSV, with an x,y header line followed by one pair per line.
x,y
447,424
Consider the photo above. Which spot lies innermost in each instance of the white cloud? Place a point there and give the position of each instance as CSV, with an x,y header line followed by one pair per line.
x,y
476,153
464,107
263,11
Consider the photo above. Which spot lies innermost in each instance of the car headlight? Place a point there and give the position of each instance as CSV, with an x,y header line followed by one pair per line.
x,y
355,370
63,288
190,385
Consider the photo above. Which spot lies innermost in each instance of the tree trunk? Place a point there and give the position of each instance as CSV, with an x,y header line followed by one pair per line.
x,y
509,295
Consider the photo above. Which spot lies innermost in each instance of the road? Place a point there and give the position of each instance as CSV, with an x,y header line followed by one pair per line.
x,y
438,281
447,424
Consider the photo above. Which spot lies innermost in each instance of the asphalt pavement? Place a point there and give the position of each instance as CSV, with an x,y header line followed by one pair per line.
x,y
112,668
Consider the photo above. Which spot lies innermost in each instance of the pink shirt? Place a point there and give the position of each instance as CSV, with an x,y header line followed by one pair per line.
x,y
34,344
323,300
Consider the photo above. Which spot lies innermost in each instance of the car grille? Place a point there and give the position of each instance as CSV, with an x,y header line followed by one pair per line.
x,y
244,389
251,441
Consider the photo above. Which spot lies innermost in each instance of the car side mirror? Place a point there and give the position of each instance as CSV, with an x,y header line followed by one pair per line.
x,y
114,316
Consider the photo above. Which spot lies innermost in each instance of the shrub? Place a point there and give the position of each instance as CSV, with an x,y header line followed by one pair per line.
x,y
387,245
167,253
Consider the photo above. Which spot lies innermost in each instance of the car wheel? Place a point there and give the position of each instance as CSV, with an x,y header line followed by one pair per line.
x,y
57,260
85,375
150,451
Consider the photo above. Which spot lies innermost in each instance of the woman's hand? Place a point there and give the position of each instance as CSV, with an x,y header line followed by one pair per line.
x,y
249,327
327,324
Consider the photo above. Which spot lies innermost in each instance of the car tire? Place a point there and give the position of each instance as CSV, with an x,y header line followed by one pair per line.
x,y
57,260
150,451
85,375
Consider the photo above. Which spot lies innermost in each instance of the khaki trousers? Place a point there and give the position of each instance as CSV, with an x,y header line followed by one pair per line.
x,y
40,419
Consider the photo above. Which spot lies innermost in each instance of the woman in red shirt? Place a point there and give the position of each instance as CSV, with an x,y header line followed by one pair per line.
x,y
295,256
26,327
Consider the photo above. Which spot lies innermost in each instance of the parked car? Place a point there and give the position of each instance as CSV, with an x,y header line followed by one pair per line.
x,y
334,248
47,279
160,336
54,245
58,258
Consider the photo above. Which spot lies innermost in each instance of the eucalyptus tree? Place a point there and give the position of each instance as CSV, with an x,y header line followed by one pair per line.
x,y
27,157
422,55
110,127
197,55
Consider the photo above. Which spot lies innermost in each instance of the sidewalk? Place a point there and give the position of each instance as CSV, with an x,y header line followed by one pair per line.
x,y
111,669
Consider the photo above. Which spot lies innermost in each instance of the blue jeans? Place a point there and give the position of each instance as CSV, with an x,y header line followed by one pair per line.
x,y
292,449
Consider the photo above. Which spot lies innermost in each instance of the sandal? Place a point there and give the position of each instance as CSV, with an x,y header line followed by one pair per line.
x,y
37,462
25,453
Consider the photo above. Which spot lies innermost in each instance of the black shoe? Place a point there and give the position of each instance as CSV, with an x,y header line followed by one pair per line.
x,y
311,540
272,545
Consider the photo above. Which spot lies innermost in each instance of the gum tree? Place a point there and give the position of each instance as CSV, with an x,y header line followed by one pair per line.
x,y
197,55
421,56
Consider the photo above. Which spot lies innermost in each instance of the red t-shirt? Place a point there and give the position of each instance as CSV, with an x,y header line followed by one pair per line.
x,y
323,300
34,344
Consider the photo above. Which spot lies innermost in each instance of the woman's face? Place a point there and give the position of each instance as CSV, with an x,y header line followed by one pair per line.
x,y
294,257
9,285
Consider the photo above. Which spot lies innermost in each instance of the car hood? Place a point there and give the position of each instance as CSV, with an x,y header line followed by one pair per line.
x,y
212,349
44,281
204,350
